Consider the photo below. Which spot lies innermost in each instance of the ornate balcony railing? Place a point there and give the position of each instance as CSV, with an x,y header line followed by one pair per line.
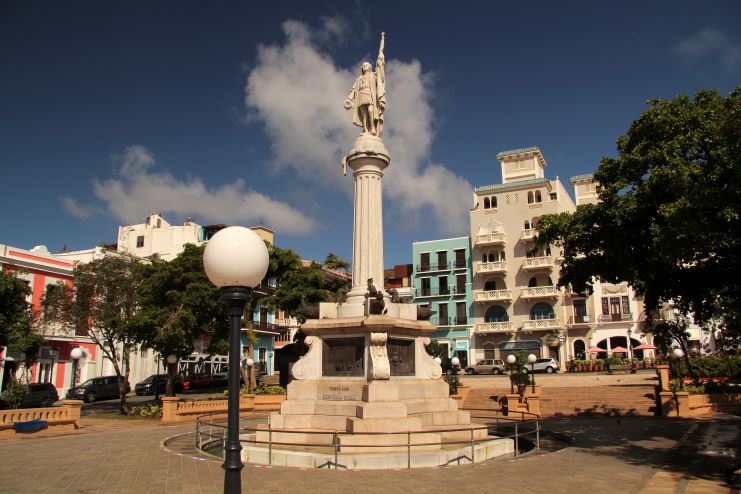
x,y
494,327
534,324
625,317
577,320
427,267
538,262
492,295
549,291
497,238
528,234
490,267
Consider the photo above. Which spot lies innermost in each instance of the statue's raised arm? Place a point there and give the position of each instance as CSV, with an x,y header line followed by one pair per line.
x,y
367,98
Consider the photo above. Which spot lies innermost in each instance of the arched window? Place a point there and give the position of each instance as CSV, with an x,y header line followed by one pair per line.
x,y
542,310
530,197
496,313
538,197
483,258
490,285
533,282
579,350
550,282
493,202
527,225
487,203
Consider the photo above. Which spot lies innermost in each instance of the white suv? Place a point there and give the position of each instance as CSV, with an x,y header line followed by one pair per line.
x,y
548,365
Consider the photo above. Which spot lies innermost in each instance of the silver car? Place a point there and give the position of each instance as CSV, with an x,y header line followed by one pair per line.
x,y
548,365
486,366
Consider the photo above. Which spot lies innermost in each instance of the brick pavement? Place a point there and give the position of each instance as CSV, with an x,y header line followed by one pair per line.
x,y
636,455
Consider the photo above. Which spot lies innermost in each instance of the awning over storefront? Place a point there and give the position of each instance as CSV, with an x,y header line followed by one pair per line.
x,y
509,346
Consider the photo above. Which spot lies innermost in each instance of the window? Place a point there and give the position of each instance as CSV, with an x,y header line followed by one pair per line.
x,y
460,313
530,197
460,283
580,311
626,306
442,259
579,350
460,258
519,165
490,285
527,225
542,310
533,282
488,350
424,261
442,311
442,283
538,197
554,196
425,291
494,202
496,313
487,203
140,241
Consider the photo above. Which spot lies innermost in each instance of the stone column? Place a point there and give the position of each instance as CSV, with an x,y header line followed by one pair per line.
x,y
367,160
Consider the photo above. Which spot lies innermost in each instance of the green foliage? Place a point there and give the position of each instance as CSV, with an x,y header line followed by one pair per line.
x,y
14,394
668,220
18,320
177,304
710,366
101,304
269,390
435,349
305,284
333,261
149,411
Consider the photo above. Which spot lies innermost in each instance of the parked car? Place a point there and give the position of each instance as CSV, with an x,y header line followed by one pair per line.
x,y
96,389
548,365
486,366
197,381
37,395
157,382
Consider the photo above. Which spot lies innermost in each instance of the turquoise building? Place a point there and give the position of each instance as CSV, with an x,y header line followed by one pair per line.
x,y
442,281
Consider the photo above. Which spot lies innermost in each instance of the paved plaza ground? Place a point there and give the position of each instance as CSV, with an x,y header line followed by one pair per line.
x,y
627,455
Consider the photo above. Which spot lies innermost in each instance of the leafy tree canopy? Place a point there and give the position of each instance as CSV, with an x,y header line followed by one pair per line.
x,y
18,320
669,217
333,261
101,304
177,304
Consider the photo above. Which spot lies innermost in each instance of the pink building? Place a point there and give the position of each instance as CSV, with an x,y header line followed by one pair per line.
x,y
40,269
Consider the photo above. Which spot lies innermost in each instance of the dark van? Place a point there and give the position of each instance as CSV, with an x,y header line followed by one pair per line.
x,y
96,388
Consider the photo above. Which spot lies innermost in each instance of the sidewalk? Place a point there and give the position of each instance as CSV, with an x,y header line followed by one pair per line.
x,y
639,455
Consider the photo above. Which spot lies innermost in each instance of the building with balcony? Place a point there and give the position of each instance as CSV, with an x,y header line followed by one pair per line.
x,y
517,305
441,280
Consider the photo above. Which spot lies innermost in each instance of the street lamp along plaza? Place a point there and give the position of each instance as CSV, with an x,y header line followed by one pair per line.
x,y
235,260
511,360
76,354
677,354
531,360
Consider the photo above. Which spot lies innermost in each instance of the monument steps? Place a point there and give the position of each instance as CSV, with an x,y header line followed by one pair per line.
x,y
430,405
599,400
389,443
395,424
444,418
309,407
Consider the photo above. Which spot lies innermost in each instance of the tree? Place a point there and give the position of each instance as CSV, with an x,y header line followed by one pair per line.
x,y
177,304
101,304
668,221
18,320
333,261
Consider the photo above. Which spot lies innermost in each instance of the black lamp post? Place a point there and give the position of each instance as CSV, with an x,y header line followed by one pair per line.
x,y
170,388
511,360
531,360
76,355
235,260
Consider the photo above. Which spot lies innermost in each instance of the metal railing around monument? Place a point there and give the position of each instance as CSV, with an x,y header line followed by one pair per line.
x,y
516,425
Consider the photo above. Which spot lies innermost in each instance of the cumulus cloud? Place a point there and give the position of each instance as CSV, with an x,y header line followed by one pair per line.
x,y
79,211
710,45
296,90
136,191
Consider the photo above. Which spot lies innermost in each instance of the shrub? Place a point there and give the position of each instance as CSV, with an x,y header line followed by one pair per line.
x,y
150,411
707,366
14,394
269,390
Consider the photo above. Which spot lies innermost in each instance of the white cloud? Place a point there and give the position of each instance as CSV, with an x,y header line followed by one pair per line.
x,y
137,192
79,211
296,90
712,45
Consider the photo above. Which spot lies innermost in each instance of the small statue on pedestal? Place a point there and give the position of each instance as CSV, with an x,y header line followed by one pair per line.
x,y
374,303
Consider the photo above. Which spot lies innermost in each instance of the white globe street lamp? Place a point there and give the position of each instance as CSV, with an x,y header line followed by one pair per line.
x,y
235,260
677,354
76,354
511,360
531,360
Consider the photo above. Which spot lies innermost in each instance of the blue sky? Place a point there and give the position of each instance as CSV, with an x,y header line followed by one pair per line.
x,y
231,112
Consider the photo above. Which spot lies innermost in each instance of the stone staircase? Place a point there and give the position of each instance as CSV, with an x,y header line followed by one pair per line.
x,y
614,400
